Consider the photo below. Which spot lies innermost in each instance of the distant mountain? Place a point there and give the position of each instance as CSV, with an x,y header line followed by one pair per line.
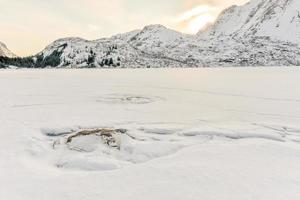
x,y
4,51
259,33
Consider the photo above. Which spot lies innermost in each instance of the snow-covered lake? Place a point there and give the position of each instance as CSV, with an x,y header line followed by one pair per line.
x,y
191,134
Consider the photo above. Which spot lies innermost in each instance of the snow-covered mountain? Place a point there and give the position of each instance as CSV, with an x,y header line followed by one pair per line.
x,y
4,51
260,33
154,46
278,19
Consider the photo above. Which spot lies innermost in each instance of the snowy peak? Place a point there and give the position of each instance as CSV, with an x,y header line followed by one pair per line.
x,y
4,51
155,33
125,36
68,40
156,38
271,18
62,43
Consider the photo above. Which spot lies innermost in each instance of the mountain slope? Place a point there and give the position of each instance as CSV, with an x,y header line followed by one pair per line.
x,y
278,19
4,51
142,48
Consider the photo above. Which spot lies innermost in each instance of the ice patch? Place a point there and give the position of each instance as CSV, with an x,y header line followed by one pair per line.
x,y
158,131
54,132
128,99
233,136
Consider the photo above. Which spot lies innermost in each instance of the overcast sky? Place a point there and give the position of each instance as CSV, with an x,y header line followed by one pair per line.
x,y
27,26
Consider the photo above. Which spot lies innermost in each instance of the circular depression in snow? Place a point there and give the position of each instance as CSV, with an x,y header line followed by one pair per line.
x,y
128,99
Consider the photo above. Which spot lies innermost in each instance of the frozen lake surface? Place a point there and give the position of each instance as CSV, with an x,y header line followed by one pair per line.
x,y
190,134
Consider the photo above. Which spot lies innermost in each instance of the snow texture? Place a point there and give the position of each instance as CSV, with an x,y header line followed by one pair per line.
x,y
226,133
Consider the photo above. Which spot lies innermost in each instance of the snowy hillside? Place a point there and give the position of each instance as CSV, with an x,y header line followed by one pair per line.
x,y
4,51
278,19
149,47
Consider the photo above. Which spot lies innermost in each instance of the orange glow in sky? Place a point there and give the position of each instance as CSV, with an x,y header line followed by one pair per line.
x,y
193,20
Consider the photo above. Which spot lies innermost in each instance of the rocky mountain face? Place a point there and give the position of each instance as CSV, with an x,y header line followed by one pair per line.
x,y
260,33
5,52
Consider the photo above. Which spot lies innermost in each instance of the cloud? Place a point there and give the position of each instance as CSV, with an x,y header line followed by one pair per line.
x,y
196,11
196,18
197,14
216,3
